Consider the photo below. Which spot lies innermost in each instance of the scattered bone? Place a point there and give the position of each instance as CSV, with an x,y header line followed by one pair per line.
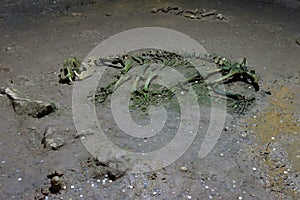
x,y
191,14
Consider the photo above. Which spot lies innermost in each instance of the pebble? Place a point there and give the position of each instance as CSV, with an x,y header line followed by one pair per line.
x,y
183,169
56,184
254,169
75,14
220,16
19,179
240,198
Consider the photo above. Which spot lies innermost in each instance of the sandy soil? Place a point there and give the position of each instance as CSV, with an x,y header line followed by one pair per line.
x,y
257,155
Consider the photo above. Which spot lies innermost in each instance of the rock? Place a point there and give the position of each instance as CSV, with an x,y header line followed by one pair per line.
x,y
219,16
56,184
45,191
113,169
24,105
183,169
55,143
56,181
155,10
75,14
52,139
298,41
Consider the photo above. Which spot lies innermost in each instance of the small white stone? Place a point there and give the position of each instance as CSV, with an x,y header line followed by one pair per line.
x,y
240,198
273,138
72,186
183,168
81,196
2,161
254,117
189,197
19,179
130,186
221,154
206,186
254,169
285,172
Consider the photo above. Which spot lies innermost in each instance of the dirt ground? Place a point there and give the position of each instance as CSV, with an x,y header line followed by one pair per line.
x,y
257,155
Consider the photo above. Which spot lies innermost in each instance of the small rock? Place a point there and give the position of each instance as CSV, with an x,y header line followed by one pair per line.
x,y
55,143
154,10
183,169
219,16
298,41
45,191
74,14
56,184
52,139
24,105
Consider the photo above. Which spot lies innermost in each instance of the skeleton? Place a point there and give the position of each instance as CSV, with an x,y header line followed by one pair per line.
x,y
230,72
